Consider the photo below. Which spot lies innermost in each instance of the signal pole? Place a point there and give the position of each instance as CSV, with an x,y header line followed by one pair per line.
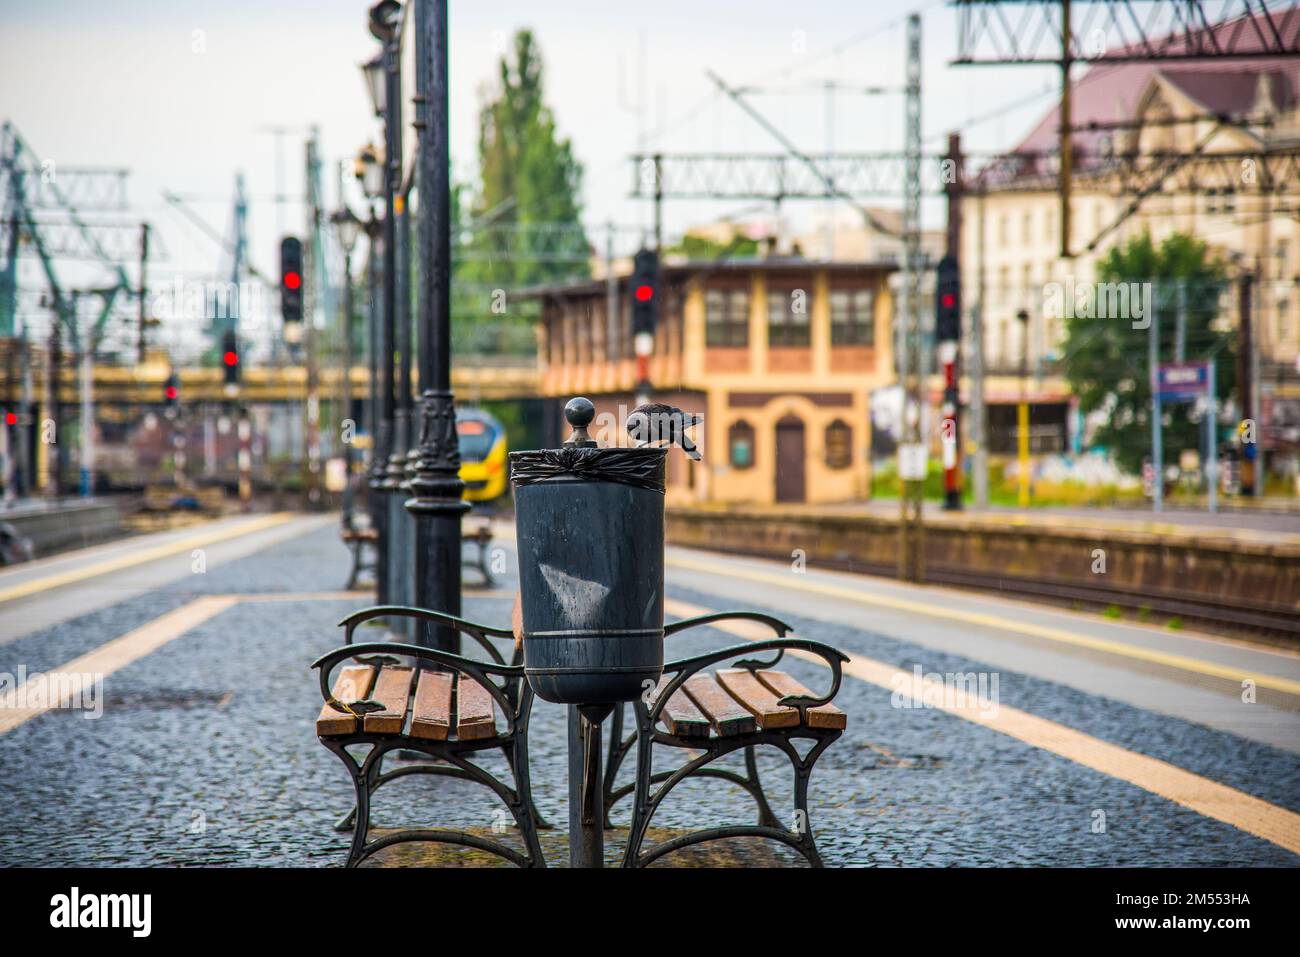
x,y
912,449
948,333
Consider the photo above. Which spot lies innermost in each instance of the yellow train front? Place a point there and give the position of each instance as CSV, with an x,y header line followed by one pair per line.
x,y
482,455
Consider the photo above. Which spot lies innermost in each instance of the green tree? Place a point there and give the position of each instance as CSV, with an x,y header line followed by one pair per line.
x,y
523,224
1106,352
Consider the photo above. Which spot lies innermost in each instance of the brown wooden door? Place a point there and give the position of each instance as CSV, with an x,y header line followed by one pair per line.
x,y
790,460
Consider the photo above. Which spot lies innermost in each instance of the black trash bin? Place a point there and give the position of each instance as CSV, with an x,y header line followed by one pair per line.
x,y
590,531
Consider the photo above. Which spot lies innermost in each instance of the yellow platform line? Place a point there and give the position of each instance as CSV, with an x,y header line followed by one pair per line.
x,y
1274,824
70,680
981,619
58,580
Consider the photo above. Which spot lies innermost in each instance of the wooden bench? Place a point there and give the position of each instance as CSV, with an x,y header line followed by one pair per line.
x,y
450,714
715,713
358,539
363,540
477,530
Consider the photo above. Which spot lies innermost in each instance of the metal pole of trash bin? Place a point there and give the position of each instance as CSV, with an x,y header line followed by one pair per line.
x,y
435,504
592,604
586,800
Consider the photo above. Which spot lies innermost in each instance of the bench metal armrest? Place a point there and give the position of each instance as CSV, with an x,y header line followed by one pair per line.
x,y
384,652
776,624
475,630
686,667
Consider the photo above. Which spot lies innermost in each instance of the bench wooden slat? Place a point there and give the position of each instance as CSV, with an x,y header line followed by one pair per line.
x,y
431,713
823,716
727,717
680,716
474,715
757,699
393,691
352,685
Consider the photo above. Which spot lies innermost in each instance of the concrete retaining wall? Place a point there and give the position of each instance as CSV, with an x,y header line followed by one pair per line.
x,y
68,525
1173,566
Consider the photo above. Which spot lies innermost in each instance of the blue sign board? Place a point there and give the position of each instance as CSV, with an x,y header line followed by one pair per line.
x,y
1181,381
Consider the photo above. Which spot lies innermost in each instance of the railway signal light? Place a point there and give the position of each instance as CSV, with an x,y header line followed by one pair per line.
x,y
172,392
230,359
645,296
291,279
947,293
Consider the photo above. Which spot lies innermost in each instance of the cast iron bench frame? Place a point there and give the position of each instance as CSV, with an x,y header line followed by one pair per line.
x,y
650,731
514,697
360,539
511,696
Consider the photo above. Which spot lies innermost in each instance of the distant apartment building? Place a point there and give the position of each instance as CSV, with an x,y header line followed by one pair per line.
x,y
780,354
1011,226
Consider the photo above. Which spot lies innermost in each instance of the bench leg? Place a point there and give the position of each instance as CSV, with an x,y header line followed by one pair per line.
x,y
755,787
362,783
799,838
356,567
618,749
348,821
483,543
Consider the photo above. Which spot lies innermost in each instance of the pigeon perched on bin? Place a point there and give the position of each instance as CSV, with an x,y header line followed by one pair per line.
x,y
654,422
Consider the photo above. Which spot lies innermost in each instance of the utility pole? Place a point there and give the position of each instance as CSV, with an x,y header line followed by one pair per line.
x,y
144,290
611,296
978,411
1022,414
1066,184
1249,426
54,402
1157,412
436,488
87,417
311,263
912,449
948,331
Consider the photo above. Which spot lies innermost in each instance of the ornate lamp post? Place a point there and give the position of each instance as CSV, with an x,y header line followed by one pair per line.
x,y
436,487
346,227
380,75
370,174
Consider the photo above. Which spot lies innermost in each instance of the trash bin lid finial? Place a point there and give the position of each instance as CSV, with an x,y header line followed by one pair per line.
x,y
579,412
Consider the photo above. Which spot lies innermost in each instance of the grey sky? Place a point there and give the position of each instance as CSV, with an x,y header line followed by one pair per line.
x,y
121,82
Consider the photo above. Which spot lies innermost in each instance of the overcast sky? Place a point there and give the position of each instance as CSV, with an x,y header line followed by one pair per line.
x,y
182,92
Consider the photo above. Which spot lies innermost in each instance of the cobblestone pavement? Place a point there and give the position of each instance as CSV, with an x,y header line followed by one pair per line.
x,y
206,754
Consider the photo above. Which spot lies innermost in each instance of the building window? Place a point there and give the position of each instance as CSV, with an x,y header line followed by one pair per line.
x,y
740,444
726,317
853,317
839,445
787,317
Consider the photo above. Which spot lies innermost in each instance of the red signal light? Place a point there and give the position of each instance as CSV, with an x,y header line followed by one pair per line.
x,y
292,280
644,293
171,392
231,359
11,418
948,300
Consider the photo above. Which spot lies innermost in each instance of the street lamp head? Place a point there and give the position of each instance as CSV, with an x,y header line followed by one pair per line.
x,y
383,19
376,83
370,172
346,227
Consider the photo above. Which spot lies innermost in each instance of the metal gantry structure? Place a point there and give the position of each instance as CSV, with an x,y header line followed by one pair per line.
x,y
1047,32
43,213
